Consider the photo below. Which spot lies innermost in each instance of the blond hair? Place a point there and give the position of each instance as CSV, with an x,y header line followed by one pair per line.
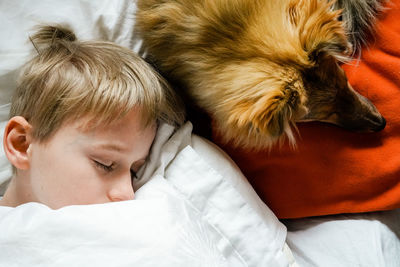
x,y
99,80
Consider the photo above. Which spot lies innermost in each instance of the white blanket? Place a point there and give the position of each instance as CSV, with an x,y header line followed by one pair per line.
x,y
161,231
186,214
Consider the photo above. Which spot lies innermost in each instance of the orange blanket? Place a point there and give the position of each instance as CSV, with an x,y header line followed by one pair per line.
x,y
334,171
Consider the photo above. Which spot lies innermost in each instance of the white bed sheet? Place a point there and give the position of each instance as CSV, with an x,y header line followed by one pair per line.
x,y
187,214
368,239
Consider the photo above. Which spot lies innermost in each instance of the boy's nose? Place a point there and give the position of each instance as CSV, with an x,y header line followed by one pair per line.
x,y
121,190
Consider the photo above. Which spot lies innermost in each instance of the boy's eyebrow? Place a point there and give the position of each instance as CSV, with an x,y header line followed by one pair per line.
x,y
111,146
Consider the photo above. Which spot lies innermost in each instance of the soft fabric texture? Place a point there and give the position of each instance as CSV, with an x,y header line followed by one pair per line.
x,y
365,240
160,231
186,214
214,186
332,170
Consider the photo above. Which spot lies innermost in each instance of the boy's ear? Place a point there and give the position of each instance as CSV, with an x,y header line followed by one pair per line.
x,y
16,142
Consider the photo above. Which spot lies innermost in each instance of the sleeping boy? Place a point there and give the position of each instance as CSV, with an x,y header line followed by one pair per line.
x,y
82,121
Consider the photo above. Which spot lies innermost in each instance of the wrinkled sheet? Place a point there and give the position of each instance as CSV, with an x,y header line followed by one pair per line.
x,y
366,239
159,231
186,214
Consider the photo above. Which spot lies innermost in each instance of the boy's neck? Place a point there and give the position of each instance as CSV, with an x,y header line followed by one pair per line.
x,y
15,194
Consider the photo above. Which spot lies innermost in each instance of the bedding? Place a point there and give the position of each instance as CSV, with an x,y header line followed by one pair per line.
x,y
110,235
334,171
366,239
187,213
193,205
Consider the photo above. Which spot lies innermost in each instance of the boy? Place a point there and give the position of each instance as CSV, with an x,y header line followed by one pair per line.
x,y
82,121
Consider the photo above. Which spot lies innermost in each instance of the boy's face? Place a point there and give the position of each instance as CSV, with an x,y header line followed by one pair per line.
x,y
95,166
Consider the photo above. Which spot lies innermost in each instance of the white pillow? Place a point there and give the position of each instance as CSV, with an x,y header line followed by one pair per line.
x,y
209,180
5,166
100,19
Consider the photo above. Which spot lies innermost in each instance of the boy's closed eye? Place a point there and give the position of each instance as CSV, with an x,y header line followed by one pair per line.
x,y
111,166
103,166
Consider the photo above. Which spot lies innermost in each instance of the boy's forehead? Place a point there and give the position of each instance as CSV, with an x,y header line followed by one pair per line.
x,y
115,135
135,115
111,145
